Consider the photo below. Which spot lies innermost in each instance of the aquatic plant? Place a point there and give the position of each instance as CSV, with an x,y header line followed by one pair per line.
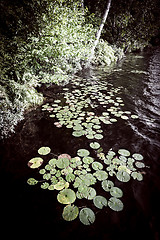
x,y
75,178
86,111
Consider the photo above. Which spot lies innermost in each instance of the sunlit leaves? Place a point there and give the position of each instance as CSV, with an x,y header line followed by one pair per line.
x,y
66,196
44,150
35,162
70,212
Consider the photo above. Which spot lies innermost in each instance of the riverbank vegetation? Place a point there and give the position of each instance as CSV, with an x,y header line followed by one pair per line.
x,y
49,41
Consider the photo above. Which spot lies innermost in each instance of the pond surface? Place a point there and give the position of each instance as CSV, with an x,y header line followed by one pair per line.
x,y
126,102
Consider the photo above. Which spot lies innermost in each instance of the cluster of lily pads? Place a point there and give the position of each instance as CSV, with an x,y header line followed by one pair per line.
x,y
77,109
76,177
85,106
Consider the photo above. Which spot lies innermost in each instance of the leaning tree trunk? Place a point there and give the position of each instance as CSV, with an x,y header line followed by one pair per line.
x,y
99,32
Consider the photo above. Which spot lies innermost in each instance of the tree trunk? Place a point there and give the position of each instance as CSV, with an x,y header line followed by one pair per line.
x,y
99,32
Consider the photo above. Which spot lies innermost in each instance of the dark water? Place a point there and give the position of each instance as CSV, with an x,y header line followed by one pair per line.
x,y
35,211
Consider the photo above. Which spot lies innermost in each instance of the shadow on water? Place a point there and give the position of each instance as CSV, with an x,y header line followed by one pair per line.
x,y
36,211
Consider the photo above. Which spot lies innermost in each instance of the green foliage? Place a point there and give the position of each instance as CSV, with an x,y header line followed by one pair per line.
x,y
56,43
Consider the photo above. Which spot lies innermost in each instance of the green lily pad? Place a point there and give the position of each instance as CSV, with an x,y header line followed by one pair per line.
x,y
78,127
124,152
115,204
97,166
44,185
137,175
95,145
32,181
70,212
51,187
90,194
35,162
101,175
90,136
52,161
47,176
139,164
110,154
66,196
124,117
62,163
83,152
88,160
134,116
70,177
87,216
83,189
137,156
107,185
123,176
42,171
60,185
116,192
98,136
78,133
100,202
67,170
44,150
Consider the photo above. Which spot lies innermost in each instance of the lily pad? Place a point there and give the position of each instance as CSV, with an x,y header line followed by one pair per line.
x,y
123,176
47,176
134,116
97,166
137,175
90,194
32,181
70,212
70,177
42,171
62,163
45,185
101,175
66,196
100,202
78,133
51,187
60,185
88,160
95,145
124,152
137,156
98,136
115,204
83,152
87,216
35,162
139,164
116,192
107,185
44,150
52,161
